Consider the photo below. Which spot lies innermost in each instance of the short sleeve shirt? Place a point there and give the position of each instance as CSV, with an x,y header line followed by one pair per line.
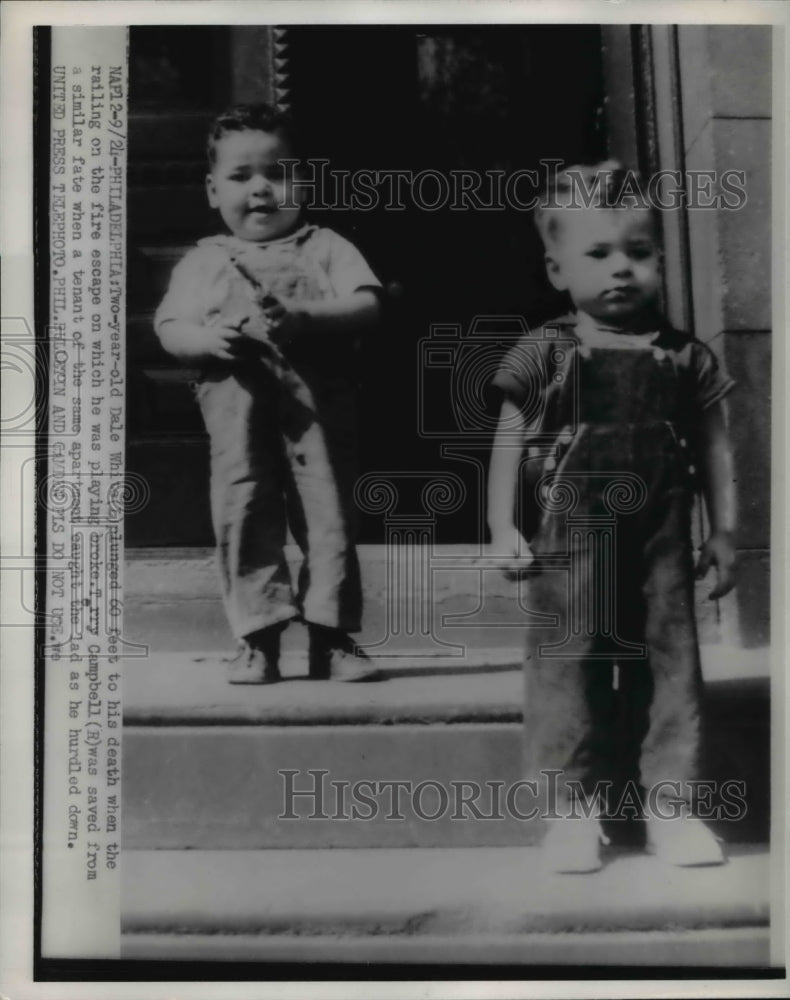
x,y
529,370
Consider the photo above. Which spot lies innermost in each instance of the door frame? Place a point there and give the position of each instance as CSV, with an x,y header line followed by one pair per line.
x,y
645,129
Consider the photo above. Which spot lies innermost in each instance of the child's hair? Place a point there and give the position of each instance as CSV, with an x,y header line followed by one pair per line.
x,y
252,118
603,185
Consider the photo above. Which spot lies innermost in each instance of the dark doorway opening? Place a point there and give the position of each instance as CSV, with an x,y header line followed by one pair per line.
x,y
433,101
436,102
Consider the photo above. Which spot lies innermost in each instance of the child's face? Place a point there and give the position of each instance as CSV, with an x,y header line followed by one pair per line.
x,y
254,193
607,260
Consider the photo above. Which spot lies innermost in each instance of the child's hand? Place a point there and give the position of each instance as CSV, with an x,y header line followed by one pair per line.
x,y
285,318
224,340
511,551
718,551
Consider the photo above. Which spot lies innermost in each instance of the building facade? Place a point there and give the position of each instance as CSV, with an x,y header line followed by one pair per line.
x,y
460,99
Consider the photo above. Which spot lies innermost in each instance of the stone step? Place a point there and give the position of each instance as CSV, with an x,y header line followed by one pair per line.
x,y
205,762
739,947
455,906
483,685
172,603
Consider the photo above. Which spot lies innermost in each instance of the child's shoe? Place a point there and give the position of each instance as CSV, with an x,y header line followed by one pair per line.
x,y
573,846
684,842
333,654
258,659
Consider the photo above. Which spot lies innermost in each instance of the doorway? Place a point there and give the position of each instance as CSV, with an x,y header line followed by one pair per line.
x,y
434,101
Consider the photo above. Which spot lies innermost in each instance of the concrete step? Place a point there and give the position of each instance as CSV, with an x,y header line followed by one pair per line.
x,y
484,685
205,763
172,603
456,906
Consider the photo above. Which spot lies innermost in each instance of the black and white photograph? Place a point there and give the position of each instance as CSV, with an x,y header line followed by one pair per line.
x,y
394,486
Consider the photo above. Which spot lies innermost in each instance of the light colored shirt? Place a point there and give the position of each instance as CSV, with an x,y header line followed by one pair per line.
x,y
310,263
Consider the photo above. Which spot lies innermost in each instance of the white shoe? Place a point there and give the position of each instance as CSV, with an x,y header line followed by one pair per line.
x,y
573,846
257,659
683,842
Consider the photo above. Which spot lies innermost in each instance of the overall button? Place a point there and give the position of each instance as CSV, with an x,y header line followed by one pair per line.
x,y
551,464
683,443
692,470
658,354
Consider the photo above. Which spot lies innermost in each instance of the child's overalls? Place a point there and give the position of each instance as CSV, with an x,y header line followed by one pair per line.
x,y
615,502
283,454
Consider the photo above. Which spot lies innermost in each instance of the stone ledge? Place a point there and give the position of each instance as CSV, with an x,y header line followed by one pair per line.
x,y
171,594
417,891
486,686
203,759
225,787
741,947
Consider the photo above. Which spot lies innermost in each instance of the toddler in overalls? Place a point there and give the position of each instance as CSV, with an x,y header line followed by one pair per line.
x,y
620,416
269,312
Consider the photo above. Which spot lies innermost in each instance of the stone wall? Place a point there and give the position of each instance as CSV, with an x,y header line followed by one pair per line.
x,y
725,74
